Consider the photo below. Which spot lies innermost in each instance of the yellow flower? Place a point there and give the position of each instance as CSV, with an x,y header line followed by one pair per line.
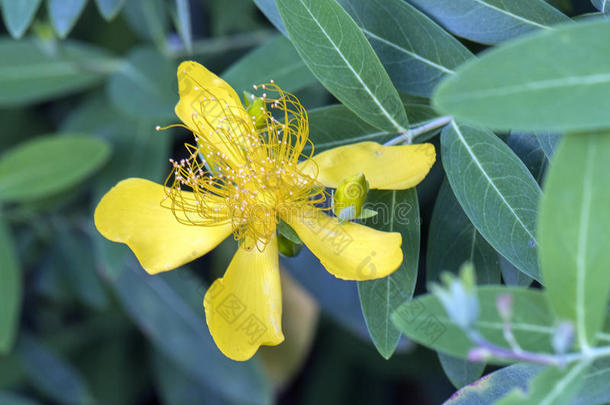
x,y
242,180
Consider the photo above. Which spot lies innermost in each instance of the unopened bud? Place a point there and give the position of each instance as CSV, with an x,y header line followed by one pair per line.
x,y
350,197
479,354
563,337
287,247
504,303
458,296
256,108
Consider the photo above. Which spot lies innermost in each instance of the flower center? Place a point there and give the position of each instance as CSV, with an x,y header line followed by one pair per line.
x,y
239,174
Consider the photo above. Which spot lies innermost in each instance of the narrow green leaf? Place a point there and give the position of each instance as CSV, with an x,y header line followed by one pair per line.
x,y
425,320
29,74
138,149
51,374
181,334
453,240
78,267
518,85
493,386
530,151
594,389
338,54
418,54
183,23
496,191
548,142
145,86
512,276
18,15
459,371
336,125
397,211
491,21
269,8
574,238
109,8
10,288
64,14
149,19
552,386
176,387
49,164
276,59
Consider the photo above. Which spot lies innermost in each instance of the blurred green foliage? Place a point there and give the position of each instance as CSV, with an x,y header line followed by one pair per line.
x,y
83,85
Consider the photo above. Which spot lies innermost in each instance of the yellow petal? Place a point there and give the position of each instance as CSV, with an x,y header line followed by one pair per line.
x,y
207,101
349,251
131,213
385,167
243,309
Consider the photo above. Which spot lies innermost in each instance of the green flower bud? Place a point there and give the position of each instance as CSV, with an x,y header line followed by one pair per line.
x,y
287,247
350,197
256,109
458,296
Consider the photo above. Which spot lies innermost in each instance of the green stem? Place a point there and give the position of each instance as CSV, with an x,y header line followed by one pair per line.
x,y
412,133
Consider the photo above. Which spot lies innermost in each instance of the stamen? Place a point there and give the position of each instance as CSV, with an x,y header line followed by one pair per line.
x,y
238,174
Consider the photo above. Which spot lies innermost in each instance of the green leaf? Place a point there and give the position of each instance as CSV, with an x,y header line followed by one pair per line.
x,y
493,386
30,74
138,149
9,398
183,23
64,14
491,21
425,320
594,389
149,19
530,151
336,125
496,191
269,8
574,238
49,164
512,276
78,267
418,54
338,54
602,5
276,59
453,240
398,211
548,142
10,288
109,8
519,86
459,371
18,15
177,387
181,334
51,374
145,86
552,386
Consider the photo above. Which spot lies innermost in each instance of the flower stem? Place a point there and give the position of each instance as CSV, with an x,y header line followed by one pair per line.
x,y
408,136
500,352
